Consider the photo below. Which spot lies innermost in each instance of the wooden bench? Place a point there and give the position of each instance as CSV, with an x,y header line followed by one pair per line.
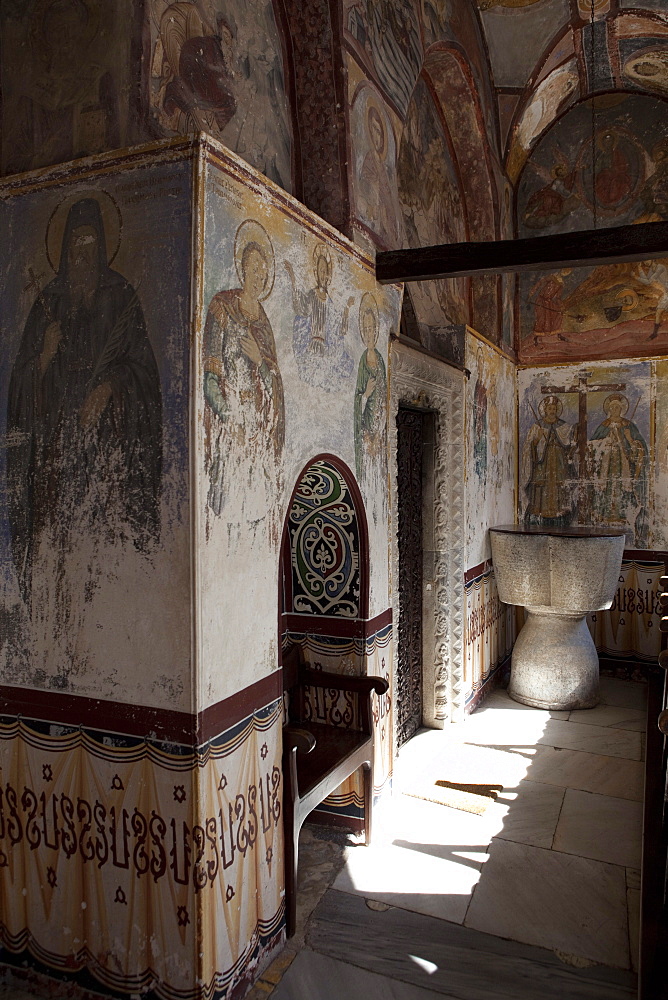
x,y
318,756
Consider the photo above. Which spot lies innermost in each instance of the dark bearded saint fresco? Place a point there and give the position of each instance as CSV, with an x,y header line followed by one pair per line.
x,y
84,410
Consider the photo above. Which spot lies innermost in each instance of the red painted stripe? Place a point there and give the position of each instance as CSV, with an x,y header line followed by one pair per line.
x,y
223,715
160,724
339,628
98,713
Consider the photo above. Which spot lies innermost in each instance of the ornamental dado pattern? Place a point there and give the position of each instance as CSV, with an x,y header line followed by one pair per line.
x,y
481,619
150,845
324,544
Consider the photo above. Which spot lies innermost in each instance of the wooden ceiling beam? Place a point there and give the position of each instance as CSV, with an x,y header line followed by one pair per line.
x,y
643,241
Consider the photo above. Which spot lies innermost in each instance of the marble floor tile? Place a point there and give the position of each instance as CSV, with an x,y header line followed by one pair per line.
x,y
623,694
498,731
530,814
454,961
499,726
427,878
501,699
588,771
610,715
633,901
600,827
465,762
572,905
316,977
592,739
423,822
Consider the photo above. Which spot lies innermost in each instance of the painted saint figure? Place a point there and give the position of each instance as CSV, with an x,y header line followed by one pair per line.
x,y
548,473
245,414
547,298
619,457
84,410
654,273
195,80
319,332
377,199
370,392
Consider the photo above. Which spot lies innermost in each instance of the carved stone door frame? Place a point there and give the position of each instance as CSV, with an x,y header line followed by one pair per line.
x,y
417,380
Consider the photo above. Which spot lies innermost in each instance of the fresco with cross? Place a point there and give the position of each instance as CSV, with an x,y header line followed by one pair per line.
x,y
586,448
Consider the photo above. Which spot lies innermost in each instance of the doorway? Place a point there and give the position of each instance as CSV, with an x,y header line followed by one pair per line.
x,y
410,539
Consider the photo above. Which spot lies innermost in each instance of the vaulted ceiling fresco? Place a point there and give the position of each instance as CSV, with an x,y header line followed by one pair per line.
x,y
511,143
322,98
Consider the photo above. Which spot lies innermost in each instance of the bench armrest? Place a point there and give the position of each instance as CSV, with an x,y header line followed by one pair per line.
x,y
342,682
298,739
363,686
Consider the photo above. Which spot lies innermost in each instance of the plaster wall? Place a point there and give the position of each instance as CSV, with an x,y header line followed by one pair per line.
x,y
491,458
319,376
94,536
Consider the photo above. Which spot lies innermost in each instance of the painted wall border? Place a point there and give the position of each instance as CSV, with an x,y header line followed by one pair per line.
x,y
430,385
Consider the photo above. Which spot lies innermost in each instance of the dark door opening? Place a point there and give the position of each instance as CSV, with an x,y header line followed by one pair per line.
x,y
410,439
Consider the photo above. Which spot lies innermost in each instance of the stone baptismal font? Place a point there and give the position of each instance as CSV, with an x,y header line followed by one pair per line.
x,y
559,575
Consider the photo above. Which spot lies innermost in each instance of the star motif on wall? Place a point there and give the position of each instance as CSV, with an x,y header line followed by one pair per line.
x,y
182,916
51,877
222,784
47,773
117,784
179,793
264,751
229,893
270,854
120,897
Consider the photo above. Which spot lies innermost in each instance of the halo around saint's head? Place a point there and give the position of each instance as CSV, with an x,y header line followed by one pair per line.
x,y
550,399
373,113
322,252
616,396
111,219
251,232
369,305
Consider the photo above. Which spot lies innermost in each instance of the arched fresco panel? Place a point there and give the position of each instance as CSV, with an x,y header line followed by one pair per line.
x,y
570,183
432,205
453,84
217,67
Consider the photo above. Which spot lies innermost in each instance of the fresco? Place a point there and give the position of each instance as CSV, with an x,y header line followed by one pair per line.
x,y
93,493
245,414
292,364
660,538
432,207
550,97
84,382
450,77
374,179
370,393
217,66
587,448
490,445
320,331
65,80
613,310
387,36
